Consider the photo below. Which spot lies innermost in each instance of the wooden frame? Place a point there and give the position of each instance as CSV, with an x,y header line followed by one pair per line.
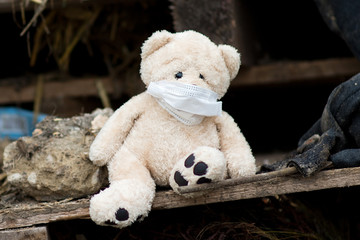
x,y
29,214
289,72
337,69
31,233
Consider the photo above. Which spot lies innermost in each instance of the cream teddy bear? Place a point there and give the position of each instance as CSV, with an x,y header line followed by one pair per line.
x,y
173,134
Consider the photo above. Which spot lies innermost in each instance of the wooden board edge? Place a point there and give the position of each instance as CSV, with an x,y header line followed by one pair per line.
x,y
42,213
287,72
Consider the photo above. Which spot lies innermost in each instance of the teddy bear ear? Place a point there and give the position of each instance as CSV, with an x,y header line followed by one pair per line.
x,y
232,59
157,40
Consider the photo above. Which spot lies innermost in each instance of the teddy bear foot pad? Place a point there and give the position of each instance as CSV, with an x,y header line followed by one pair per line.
x,y
200,169
205,165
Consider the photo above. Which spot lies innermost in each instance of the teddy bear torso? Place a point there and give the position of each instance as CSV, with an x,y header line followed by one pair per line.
x,y
154,126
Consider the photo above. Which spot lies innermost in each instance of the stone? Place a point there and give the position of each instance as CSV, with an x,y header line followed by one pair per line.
x,y
53,163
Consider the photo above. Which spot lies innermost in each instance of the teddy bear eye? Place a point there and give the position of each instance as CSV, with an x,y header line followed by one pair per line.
x,y
179,75
201,76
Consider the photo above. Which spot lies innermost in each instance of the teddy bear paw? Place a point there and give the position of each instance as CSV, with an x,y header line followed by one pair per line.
x,y
118,208
204,165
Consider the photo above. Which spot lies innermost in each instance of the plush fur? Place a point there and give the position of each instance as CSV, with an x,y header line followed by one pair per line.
x,y
144,146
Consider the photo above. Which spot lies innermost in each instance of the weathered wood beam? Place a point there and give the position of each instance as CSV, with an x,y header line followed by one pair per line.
x,y
288,72
55,89
232,182
23,215
319,71
274,186
33,233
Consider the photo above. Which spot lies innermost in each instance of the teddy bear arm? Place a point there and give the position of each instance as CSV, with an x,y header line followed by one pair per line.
x,y
112,135
238,154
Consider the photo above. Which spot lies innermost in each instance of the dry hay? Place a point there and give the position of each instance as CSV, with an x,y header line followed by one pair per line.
x,y
117,28
101,38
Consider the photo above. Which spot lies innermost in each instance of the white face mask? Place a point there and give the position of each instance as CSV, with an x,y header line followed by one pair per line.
x,y
187,103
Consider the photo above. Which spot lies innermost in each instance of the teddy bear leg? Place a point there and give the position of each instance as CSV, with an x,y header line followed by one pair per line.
x,y
129,196
204,165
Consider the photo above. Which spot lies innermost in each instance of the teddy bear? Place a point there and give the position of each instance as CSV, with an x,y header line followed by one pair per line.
x,y
173,134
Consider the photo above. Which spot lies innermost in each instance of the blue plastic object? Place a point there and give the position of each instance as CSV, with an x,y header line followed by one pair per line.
x,y
17,122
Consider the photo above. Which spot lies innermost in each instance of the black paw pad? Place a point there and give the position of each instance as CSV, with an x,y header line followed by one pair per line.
x,y
203,180
190,161
200,168
179,179
111,223
122,214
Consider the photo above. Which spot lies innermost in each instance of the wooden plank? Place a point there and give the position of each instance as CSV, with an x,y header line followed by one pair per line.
x,y
33,233
23,215
298,72
277,186
238,181
276,73
55,89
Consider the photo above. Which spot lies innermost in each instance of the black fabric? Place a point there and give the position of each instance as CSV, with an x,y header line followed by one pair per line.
x,y
342,17
334,137
346,158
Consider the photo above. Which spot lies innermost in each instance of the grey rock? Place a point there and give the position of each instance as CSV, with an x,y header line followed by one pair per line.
x,y
53,164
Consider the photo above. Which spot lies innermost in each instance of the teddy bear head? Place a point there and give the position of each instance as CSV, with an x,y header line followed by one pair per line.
x,y
188,57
